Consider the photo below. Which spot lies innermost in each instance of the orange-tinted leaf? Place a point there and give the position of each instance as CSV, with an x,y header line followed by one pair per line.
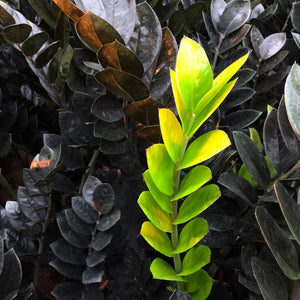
x,y
118,56
144,111
71,10
121,82
151,133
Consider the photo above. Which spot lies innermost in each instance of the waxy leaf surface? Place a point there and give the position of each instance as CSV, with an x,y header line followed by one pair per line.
x,y
191,234
198,176
197,202
161,168
162,199
160,269
193,73
194,260
158,239
171,133
204,147
154,212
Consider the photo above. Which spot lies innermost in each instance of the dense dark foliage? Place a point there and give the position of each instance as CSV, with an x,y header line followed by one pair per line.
x,y
87,102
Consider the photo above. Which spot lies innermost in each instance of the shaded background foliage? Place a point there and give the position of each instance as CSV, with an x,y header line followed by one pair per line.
x,y
91,106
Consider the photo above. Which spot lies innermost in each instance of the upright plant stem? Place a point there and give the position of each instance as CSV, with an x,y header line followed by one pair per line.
x,y
90,169
41,244
174,234
217,52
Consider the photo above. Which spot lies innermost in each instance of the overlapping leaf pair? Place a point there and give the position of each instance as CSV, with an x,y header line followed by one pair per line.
x,y
197,96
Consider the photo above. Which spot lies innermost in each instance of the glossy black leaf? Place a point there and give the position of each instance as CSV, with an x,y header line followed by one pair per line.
x,y
92,292
77,224
222,223
183,21
15,215
68,253
92,275
33,44
164,10
272,62
70,236
149,38
47,54
248,251
34,208
21,244
215,239
288,135
271,45
256,40
89,187
107,108
123,83
271,284
16,33
268,12
119,147
235,14
82,102
101,240
103,198
108,221
289,208
237,97
118,56
75,129
230,58
160,83
68,270
239,186
95,258
274,145
70,156
178,23
11,275
295,16
242,118
282,247
121,15
249,283
234,38
252,158
213,34
145,111
217,8
270,81
67,291
5,142
113,131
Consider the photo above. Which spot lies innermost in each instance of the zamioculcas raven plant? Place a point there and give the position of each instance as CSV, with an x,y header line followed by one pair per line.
x,y
171,204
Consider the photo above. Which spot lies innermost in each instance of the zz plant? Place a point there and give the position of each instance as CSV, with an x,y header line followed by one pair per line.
x,y
174,201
